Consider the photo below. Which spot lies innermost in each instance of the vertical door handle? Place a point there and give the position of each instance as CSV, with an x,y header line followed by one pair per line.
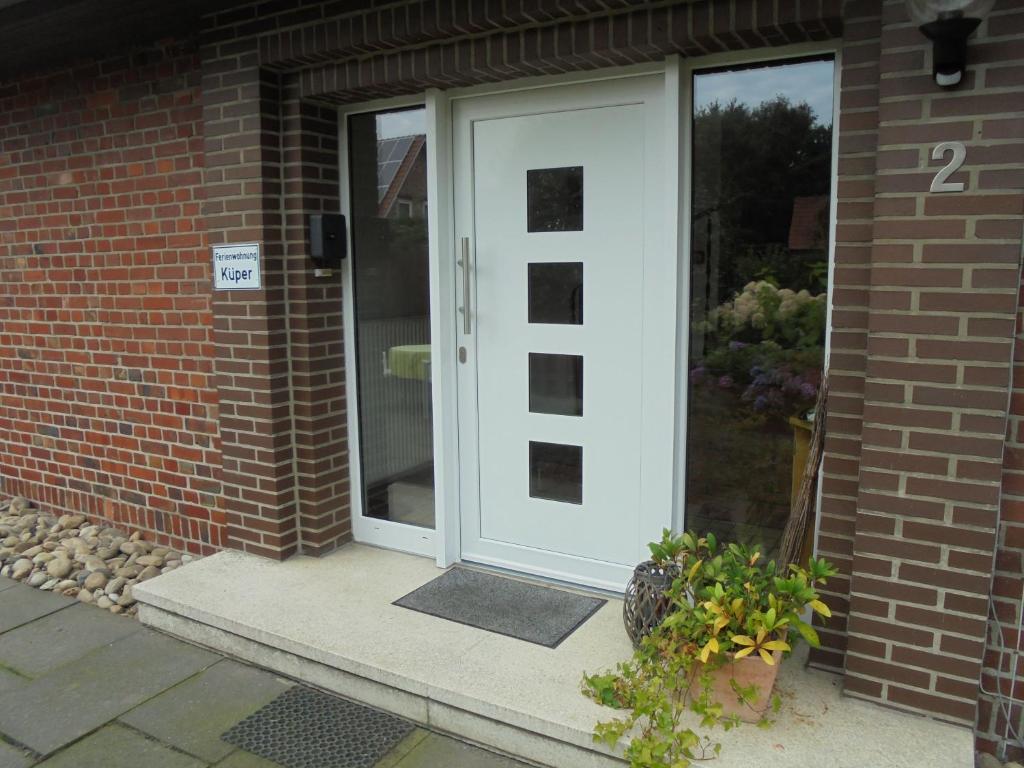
x,y
465,309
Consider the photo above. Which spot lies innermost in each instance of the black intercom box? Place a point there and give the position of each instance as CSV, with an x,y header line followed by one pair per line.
x,y
328,243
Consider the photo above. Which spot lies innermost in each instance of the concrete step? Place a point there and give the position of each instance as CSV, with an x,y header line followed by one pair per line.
x,y
330,622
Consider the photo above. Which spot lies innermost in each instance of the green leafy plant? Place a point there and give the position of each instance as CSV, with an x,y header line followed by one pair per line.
x,y
727,603
666,551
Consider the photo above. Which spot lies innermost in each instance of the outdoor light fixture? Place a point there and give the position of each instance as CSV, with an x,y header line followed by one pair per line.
x,y
948,24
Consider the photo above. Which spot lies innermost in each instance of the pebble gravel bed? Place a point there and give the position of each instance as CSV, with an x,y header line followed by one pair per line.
x,y
985,760
96,564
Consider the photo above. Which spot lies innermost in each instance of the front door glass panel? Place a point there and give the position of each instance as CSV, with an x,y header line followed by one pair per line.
x,y
388,173
556,384
555,293
556,472
554,199
762,147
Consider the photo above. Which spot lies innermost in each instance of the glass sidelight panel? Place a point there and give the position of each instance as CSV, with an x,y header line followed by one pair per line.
x,y
388,177
556,384
556,472
762,146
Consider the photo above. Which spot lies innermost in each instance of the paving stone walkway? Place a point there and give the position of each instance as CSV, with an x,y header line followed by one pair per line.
x,y
81,687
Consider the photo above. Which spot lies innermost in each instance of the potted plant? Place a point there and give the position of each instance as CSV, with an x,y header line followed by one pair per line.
x,y
732,618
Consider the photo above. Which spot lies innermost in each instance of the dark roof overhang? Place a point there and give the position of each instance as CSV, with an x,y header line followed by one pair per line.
x,y
39,34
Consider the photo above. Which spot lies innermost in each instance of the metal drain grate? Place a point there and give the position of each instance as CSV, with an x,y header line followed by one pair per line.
x,y
304,728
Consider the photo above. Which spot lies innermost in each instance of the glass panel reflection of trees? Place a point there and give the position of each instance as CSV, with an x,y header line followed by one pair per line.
x,y
759,260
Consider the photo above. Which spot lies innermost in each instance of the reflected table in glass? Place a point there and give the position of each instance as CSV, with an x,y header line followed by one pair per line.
x,y
409,361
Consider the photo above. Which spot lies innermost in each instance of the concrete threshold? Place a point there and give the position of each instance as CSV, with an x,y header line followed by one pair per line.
x,y
330,622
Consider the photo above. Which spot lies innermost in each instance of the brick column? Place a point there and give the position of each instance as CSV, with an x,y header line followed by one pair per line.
x,y
244,204
944,283
310,139
857,136
271,161
1008,579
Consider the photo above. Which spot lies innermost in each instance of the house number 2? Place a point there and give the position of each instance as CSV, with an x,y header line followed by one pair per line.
x,y
939,183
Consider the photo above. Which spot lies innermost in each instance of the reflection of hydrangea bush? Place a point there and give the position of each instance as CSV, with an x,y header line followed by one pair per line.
x,y
763,312
774,389
766,346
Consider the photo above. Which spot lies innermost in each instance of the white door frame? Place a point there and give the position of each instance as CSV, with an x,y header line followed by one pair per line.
x,y
383,533
444,543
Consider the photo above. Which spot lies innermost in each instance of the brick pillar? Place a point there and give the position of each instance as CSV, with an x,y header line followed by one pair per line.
x,y
944,283
857,136
315,325
241,112
1008,579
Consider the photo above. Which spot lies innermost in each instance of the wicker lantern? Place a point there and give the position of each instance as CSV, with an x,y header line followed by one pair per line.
x,y
645,604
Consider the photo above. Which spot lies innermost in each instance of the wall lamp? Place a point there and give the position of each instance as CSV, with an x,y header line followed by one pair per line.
x,y
948,24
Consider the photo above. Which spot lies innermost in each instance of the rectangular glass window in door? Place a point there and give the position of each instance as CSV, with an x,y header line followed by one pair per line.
x,y
388,176
762,149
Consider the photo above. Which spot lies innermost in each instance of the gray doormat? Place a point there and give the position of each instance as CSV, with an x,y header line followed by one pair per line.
x,y
304,728
530,612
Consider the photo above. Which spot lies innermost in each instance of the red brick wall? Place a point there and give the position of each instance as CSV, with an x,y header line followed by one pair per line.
x,y
1006,71
999,699
943,299
108,400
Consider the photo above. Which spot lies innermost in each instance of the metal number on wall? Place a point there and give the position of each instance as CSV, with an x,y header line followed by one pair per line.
x,y
939,183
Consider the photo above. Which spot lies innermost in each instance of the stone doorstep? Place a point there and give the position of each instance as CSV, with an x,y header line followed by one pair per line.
x,y
518,743
329,622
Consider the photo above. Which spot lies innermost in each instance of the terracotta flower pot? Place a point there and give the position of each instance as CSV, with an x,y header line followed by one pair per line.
x,y
750,670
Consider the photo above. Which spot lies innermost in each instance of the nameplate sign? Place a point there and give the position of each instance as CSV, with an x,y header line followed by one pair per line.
x,y
236,267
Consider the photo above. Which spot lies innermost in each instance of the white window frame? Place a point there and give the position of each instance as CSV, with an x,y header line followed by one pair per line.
x,y
382,533
689,67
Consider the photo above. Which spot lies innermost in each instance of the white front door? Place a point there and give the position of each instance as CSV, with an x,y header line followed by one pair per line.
x,y
566,415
